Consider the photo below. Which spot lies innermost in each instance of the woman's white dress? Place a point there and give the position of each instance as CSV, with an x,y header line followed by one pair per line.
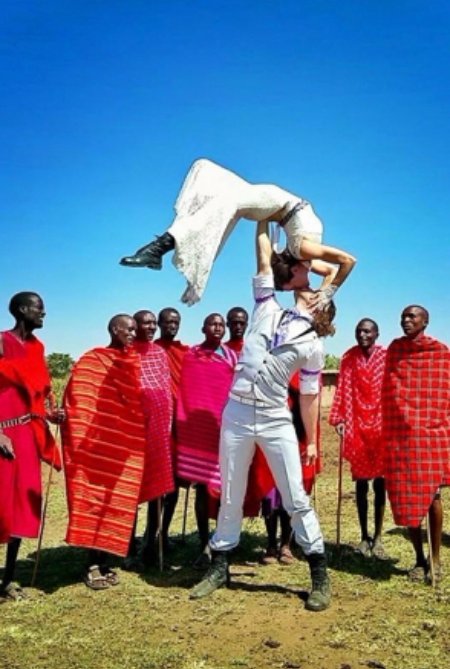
x,y
210,203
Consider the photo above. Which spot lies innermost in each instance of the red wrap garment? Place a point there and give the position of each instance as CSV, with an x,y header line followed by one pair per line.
x,y
157,404
24,386
357,403
104,449
416,425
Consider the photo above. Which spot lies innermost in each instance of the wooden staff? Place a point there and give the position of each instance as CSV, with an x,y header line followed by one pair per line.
x,y
430,549
185,511
339,501
44,512
160,536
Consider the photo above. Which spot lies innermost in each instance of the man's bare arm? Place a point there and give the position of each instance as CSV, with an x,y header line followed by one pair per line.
x,y
309,411
263,248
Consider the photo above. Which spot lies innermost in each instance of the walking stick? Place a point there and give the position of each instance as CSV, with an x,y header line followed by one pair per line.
x,y
339,502
160,536
430,548
185,511
44,512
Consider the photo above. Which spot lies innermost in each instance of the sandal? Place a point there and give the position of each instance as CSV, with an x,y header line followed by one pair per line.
x,y
363,548
418,574
111,576
270,556
95,580
286,556
378,551
13,593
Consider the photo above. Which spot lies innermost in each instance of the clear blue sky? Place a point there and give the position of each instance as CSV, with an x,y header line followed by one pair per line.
x,y
106,104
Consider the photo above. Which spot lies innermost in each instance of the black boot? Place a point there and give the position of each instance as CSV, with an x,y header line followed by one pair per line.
x,y
216,576
320,595
150,255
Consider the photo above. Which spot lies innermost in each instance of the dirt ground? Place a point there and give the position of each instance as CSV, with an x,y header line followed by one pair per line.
x,y
377,618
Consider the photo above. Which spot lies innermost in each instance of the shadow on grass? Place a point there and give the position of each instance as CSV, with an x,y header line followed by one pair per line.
x,y
64,566
346,559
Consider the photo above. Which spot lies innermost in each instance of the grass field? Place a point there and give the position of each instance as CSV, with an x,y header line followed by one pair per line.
x,y
377,618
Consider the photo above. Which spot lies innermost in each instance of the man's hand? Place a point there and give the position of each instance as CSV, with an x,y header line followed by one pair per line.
x,y
56,416
6,447
311,454
340,429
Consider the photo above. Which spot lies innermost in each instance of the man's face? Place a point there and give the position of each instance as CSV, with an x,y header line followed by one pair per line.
x,y
169,325
300,277
214,330
146,326
366,334
34,312
413,321
124,332
237,324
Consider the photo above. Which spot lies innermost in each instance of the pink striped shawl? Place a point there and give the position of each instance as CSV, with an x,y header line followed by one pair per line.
x,y
206,379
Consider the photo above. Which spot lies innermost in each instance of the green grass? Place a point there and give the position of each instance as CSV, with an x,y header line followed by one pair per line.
x,y
377,617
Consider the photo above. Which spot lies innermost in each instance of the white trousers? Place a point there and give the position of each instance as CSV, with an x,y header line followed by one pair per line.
x,y
272,430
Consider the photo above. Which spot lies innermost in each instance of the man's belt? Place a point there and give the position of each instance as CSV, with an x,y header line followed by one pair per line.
x,y
249,401
20,420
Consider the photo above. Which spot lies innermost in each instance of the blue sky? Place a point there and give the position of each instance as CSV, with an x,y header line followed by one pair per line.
x,y
105,104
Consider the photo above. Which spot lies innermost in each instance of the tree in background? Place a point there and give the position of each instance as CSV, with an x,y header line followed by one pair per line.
x,y
332,361
59,365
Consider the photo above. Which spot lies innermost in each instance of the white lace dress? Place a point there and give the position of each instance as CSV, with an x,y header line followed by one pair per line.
x,y
210,203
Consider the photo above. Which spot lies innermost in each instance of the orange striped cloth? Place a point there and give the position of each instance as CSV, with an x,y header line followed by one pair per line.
x,y
104,449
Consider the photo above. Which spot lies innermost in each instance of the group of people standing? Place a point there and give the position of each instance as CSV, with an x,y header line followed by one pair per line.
x,y
143,417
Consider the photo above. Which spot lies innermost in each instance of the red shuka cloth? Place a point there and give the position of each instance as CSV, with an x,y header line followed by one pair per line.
x,y
357,403
104,449
236,345
416,425
175,351
205,383
24,386
157,404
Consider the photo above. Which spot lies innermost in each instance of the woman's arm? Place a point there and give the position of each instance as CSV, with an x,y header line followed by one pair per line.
x,y
345,262
325,270
263,248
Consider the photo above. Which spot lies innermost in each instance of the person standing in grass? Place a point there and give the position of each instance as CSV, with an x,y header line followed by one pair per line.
x,y
206,378
104,449
356,415
279,343
157,402
25,406
416,433
169,321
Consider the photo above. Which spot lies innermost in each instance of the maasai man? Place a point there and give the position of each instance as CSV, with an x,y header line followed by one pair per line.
x,y
25,440
104,448
279,343
205,382
157,401
211,201
237,322
169,321
356,414
416,433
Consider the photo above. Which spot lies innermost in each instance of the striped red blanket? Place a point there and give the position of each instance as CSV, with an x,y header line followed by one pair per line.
x,y
357,403
416,425
103,449
157,404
